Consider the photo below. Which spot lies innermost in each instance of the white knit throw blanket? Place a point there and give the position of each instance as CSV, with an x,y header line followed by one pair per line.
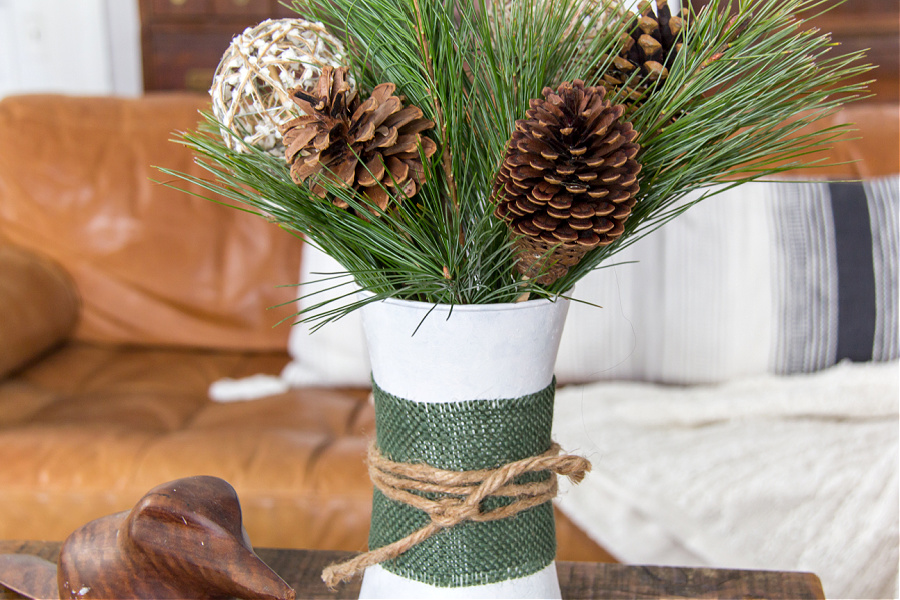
x,y
779,473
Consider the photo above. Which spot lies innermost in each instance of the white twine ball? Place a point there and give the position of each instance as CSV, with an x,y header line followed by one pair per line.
x,y
250,88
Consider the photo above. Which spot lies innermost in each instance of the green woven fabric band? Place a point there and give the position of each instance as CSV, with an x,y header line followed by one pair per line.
x,y
464,436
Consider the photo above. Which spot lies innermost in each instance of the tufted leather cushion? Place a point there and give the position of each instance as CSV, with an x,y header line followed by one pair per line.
x,y
154,265
89,429
38,306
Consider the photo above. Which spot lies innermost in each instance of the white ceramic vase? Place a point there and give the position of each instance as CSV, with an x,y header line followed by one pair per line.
x,y
437,359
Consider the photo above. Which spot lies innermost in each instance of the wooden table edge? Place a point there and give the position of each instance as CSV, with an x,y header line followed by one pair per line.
x,y
302,569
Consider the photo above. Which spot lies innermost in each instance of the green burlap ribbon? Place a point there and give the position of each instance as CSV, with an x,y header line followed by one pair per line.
x,y
465,436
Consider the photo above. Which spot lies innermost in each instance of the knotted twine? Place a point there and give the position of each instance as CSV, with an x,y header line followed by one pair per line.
x,y
459,497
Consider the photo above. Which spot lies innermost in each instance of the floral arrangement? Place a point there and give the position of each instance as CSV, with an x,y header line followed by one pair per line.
x,y
486,151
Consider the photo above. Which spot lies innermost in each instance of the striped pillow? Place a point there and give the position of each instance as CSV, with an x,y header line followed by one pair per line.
x,y
837,262
778,277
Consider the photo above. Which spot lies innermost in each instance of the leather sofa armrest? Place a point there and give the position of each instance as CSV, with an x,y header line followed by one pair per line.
x,y
39,306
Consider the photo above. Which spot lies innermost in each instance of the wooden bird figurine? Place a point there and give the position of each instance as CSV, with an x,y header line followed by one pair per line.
x,y
183,539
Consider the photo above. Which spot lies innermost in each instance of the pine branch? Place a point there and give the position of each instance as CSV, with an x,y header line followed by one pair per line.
x,y
747,115
446,149
741,103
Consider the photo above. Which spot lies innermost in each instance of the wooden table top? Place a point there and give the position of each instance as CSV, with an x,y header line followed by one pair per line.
x,y
302,570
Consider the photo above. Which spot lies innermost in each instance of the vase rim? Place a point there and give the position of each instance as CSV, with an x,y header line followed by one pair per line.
x,y
495,307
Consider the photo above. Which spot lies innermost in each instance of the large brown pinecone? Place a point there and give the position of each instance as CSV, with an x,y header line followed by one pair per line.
x,y
648,49
568,179
372,146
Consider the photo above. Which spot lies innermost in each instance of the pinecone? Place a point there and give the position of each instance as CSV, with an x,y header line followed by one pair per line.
x,y
568,179
372,146
651,44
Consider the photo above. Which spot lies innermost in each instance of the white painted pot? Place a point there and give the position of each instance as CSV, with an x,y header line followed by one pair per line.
x,y
428,353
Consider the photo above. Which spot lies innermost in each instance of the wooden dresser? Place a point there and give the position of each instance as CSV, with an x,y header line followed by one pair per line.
x,y
871,25
182,41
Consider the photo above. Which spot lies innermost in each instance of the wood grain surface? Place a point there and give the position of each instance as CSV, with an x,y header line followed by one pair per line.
x,y
302,570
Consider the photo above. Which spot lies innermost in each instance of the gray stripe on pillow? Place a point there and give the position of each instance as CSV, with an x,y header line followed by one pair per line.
x,y
884,209
806,268
856,277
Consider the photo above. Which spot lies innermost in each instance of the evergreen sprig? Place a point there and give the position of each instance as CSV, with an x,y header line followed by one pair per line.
x,y
739,104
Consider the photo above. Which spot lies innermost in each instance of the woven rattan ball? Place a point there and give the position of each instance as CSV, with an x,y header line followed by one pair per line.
x,y
250,88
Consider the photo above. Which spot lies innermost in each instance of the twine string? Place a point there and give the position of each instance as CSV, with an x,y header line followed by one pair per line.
x,y
461,496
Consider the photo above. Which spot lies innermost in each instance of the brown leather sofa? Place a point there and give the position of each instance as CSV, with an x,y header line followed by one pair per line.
x,y
121,301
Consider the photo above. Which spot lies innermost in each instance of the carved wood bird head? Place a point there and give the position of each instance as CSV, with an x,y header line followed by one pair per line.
x,y
183,539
